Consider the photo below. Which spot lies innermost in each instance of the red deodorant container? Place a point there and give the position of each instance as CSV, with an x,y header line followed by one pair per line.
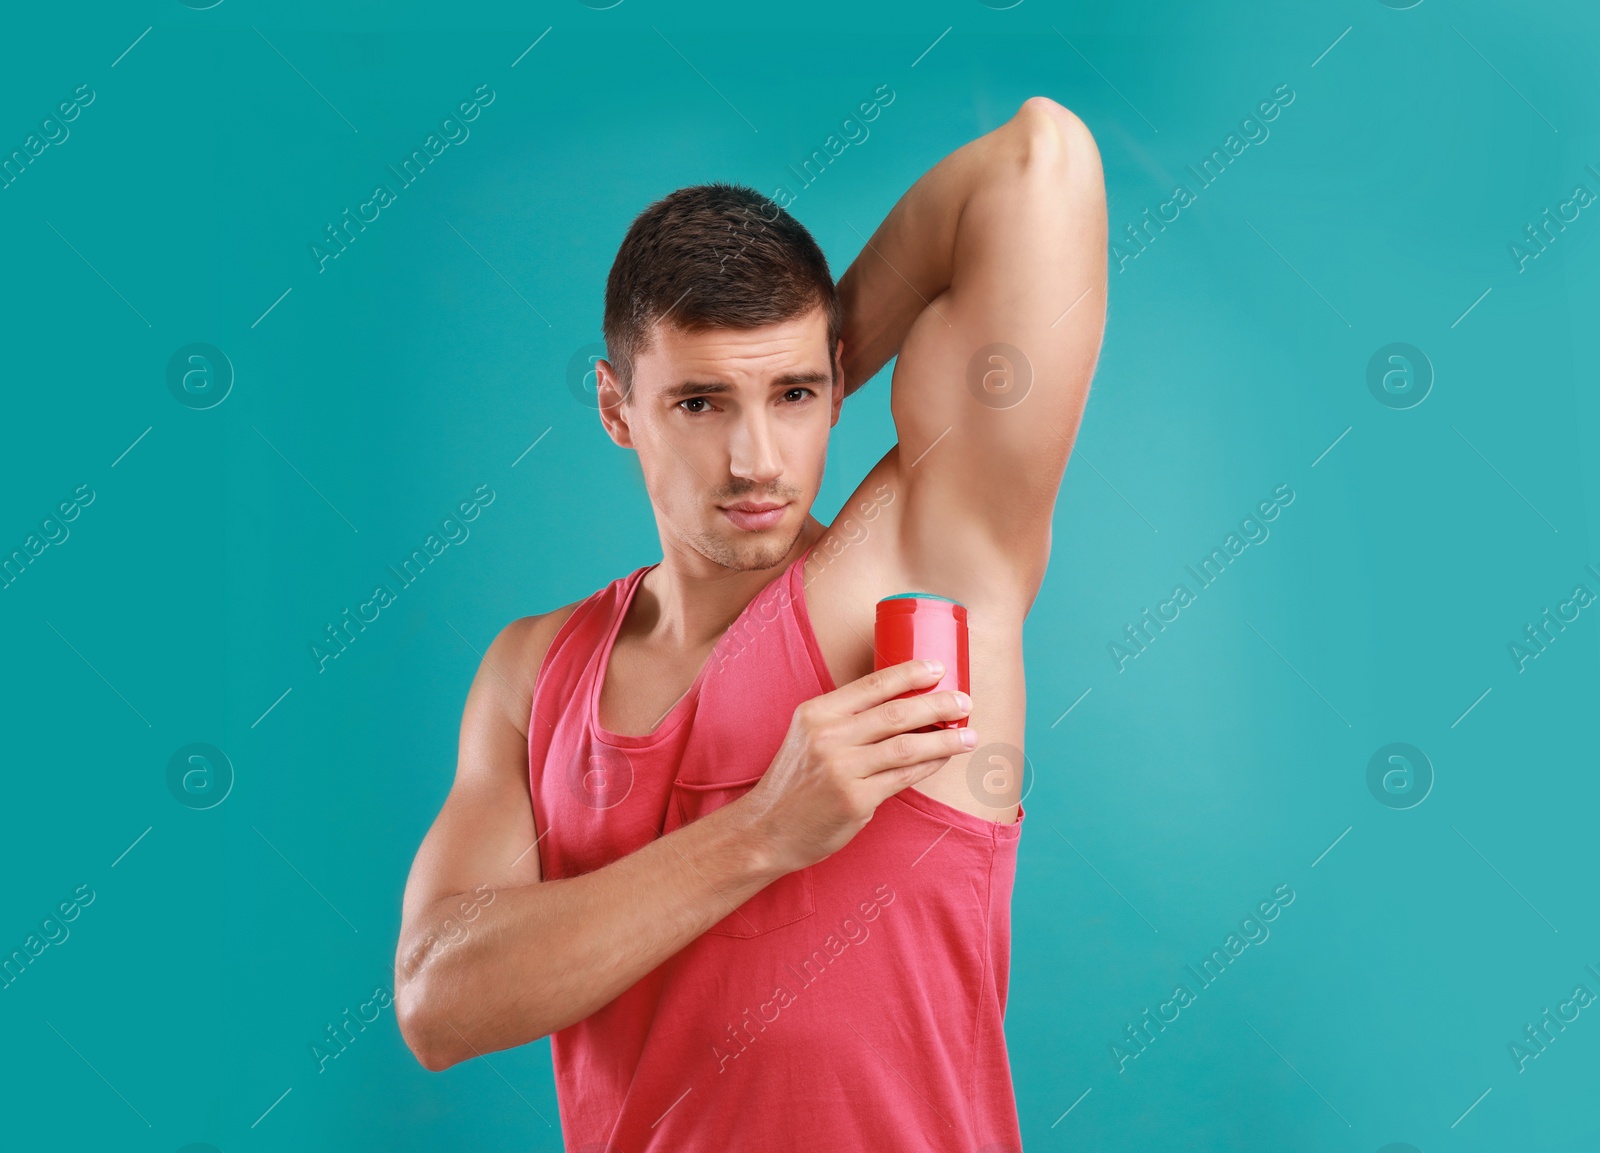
x,y
922,626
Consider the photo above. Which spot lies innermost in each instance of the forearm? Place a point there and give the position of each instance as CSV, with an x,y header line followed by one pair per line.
x,y
539,957
911,259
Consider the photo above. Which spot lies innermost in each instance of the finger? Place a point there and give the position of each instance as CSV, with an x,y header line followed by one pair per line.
x,y
891,781
877,687
913,748
905,714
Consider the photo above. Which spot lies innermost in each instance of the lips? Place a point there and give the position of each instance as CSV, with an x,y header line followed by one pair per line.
x,y
754,516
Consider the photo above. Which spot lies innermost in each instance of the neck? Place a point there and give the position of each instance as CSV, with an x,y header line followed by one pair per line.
x,y
687,602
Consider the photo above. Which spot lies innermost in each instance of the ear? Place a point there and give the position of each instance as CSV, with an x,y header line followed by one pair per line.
x,y
613,413
838,382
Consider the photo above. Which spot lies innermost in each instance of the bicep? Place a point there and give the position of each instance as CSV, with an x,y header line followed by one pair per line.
x,y
992,377
484,833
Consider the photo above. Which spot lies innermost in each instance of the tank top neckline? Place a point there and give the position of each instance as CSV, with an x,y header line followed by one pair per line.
x,y
675,715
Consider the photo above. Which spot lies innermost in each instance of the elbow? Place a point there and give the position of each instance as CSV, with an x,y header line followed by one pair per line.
x,y
430,1059
1052,141
432,1041
1054,165
423,1012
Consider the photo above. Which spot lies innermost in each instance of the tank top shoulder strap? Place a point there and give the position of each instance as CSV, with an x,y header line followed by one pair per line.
x,y
575,650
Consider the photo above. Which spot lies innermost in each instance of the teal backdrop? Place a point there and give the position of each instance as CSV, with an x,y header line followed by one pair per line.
x,y
1371,308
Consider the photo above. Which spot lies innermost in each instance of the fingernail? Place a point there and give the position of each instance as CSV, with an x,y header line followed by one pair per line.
x,y
935,667
969,738
964,701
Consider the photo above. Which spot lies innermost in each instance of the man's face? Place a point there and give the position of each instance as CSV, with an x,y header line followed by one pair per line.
x,y
725,418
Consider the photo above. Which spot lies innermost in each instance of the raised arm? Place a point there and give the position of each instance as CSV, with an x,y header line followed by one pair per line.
x,y
988,279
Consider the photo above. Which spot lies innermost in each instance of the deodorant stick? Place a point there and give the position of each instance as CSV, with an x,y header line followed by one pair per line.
x,y
922,626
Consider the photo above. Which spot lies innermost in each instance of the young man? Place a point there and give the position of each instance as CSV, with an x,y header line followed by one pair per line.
x,y
693,837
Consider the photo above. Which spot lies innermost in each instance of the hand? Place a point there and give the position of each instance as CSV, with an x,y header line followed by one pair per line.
x,y
847,752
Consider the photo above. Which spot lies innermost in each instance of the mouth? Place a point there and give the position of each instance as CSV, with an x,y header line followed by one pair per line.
x,y
754,516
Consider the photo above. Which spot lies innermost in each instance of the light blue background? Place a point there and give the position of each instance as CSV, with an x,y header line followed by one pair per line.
x,y
378,393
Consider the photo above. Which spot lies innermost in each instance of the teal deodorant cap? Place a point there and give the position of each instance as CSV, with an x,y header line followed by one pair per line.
x,y
923,596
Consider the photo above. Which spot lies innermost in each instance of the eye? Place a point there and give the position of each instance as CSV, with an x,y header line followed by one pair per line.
x,y
693,400
804,392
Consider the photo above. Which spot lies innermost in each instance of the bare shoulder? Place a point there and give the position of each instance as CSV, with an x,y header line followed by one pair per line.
x,y
510,668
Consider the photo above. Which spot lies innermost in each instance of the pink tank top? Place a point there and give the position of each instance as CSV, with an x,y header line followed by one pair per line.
x,y
855,1005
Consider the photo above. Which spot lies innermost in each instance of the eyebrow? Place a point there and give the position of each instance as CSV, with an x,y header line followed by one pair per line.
x,y
690,388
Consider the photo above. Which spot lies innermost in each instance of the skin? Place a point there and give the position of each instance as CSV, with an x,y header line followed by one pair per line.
x,y
1003,241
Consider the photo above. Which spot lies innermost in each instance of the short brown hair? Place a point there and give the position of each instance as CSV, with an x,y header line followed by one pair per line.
x,y
713,256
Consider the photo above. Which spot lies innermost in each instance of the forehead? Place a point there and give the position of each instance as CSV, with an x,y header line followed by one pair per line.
x,y
800,343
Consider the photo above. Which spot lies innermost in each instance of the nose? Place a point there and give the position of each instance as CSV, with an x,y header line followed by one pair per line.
x,y
754,452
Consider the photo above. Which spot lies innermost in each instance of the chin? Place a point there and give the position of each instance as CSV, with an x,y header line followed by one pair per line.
x,y
747,551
